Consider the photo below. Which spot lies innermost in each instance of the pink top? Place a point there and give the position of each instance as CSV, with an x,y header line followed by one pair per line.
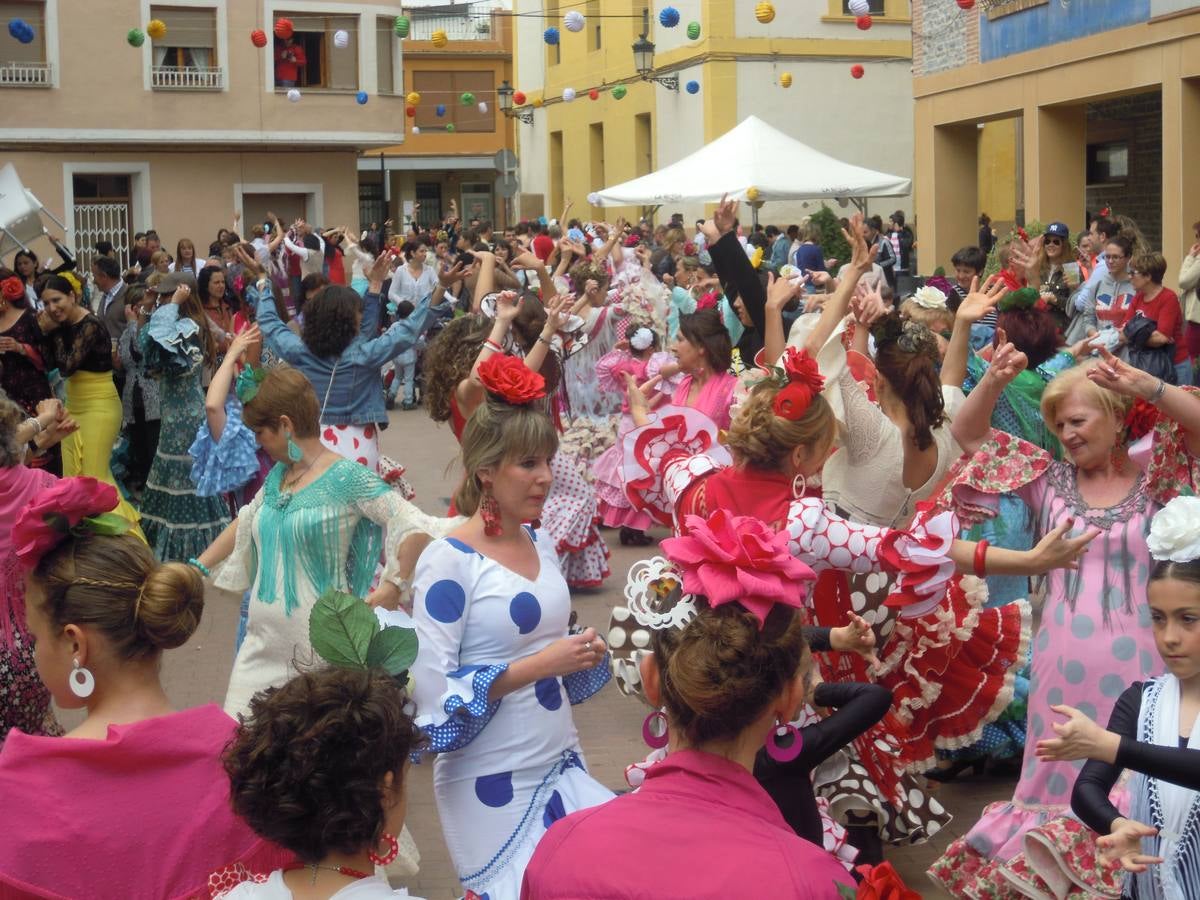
x,y
144,813
714,399
727,839
18,486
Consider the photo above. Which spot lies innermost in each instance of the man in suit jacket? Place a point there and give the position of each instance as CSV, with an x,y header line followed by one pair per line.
x,y
110,300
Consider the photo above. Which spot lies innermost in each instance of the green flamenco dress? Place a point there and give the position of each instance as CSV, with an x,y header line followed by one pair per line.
x,y
178,524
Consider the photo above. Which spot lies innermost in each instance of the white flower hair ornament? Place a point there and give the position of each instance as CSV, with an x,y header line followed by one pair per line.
x,y
929,297
1175,531
642,339
654,601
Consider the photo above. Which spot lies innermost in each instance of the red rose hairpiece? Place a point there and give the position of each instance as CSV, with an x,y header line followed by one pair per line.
x,y
708,301
12,288
738,559
804,382
511,380
1023,234
1142,419
1106,212
71,506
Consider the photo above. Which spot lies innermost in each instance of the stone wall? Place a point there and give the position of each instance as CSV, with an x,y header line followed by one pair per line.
x,y
1137,119
944,37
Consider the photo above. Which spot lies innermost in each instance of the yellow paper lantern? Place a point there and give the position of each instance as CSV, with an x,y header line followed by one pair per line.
x,y
786,79
764,12
157,29
413,98
538,102
752,194
438,38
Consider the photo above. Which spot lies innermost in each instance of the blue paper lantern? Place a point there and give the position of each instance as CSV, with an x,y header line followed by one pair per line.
x,y
669,17
550,35
440,109
692,87
21,31
362,97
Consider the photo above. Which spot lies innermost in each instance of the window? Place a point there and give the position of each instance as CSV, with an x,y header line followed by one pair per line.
x,y
553,51
476,201
440,88
429,196
25,65
310,59
596,154
1107,163
385,72
643,145
595,25
103,212
186,56
370,203
877,7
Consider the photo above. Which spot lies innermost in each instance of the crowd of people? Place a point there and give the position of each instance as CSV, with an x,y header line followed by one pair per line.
x,y
854,485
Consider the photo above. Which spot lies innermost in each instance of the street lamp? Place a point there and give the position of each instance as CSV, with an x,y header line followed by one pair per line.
x,y
504,94
643,61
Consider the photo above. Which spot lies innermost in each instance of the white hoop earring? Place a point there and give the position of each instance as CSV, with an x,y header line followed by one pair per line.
x,y
82,681
797,493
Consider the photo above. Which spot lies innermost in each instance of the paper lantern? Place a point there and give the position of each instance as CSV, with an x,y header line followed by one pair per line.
x,y
136,37
284,29
416,129
483,108
859,7
593,94
863,22
258,38
341,39
593,199
293,95
785,80
362,97
156,29
669,17
401,26
519,98
568,94
467,98
21,31
693,31
413,98
857,71
550,35
410,111
440,109
619,92
450,128
538,102
692,87
574,20
966,4
764,12
752,194
438,38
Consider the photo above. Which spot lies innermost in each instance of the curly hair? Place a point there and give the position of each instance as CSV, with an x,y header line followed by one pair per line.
x,y
762,440
306,767
582,271
906,356
331,320
12,452
448,360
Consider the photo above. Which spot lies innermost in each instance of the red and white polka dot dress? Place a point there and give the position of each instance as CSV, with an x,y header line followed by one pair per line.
x,y
357,443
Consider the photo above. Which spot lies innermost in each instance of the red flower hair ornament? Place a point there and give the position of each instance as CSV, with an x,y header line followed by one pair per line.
x,y
511,380
12,288
71,506
804,382
708,301
738,559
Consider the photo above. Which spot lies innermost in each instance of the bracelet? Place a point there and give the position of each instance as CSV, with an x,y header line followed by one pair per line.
x,y
1158,393
36,424
544,340
981,550
489,344
199,566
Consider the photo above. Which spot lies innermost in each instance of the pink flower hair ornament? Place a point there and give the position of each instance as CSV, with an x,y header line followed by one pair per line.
x,y
69,507
738,559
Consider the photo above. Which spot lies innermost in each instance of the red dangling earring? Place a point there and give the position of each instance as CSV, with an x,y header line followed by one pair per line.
x,y
392,852
489,511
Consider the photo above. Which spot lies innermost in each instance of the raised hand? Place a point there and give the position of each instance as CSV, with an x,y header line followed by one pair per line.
x,y
243,340
724,217
508,304
1123,844
978,303
639,404
868,305
781,290
1078,738
557,313
1007,361
862,255
1121,378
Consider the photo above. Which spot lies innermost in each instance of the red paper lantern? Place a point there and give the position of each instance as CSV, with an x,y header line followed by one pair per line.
x,y
258,37
863,22
284,29
519,98
966,4
410,111
857,71
594,94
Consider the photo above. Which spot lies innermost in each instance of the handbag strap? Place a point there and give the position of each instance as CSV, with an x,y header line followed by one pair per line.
x,y
325,402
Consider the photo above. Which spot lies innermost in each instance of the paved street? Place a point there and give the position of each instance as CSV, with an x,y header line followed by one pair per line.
x,y
609,724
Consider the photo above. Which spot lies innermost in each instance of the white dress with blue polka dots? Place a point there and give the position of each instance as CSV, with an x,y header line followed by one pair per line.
x,y
508,769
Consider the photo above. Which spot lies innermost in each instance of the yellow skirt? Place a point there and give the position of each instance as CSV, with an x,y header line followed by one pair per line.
x,y
93,402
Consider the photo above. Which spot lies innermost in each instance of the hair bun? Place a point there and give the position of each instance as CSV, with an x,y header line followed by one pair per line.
x,y
170,605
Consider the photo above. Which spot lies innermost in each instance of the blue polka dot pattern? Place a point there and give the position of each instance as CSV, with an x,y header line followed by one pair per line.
x,y
554,810
581,685
1112,685
1124,648
461,547
446,600
1074,672
494,790
525,611
1057,785
1054,696
1082,626
548,693
1148,662
465,718
1088,709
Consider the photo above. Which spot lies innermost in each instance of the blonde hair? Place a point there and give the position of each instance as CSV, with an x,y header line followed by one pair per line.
x,y
497,433
762,440
284,392
936,320
1074,382
114,584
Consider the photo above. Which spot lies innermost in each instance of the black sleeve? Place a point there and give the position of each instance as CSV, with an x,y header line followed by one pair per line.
x,y
818,638
739,279
857,707
1089,798
1178,765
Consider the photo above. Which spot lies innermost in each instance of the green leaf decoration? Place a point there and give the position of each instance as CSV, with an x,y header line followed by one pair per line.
x,y
393,649
108,524
846,892
58,522
340,628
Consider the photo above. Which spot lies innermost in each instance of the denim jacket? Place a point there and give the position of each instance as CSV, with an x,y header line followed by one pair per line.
x,y
355,396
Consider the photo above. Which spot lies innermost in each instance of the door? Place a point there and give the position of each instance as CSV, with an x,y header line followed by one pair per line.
x,y
103,211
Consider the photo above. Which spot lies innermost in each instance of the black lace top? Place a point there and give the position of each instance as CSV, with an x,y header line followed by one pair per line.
x,y
82,346
23,382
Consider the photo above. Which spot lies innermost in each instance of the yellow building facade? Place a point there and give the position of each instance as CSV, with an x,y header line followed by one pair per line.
x,y
737,64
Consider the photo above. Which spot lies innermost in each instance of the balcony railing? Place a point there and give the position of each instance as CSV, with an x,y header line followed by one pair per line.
x,y
457,27
27,74
190,78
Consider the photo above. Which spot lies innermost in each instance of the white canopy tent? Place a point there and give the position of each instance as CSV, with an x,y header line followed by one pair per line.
x,y
753,155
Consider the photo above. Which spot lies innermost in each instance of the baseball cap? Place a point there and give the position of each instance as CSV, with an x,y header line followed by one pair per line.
x,y
1058,230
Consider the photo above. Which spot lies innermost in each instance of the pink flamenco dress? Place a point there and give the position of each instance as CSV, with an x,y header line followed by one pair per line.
x,y
1093,641
675,467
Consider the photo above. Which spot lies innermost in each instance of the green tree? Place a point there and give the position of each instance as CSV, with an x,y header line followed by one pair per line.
x,y
832,242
